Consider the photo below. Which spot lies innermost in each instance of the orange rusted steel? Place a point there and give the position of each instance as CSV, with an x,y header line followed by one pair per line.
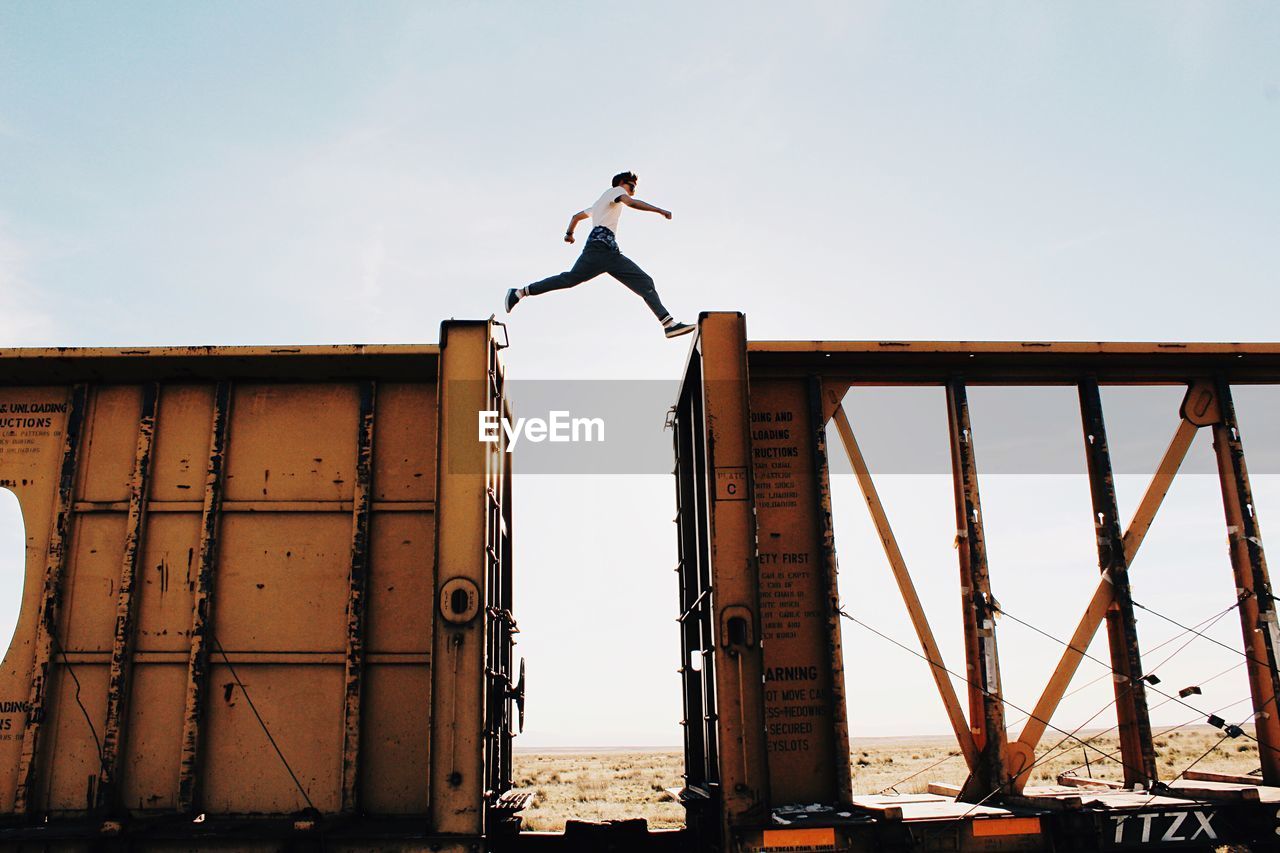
x,y
776,372
356,593
736,625
1136,748
986,700
1157,489
837,701
1257,604
232,593
806,727
122,648
1016,362
466,472
202,602
714,410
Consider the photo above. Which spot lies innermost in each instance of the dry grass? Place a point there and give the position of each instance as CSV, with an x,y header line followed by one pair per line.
x,y
606,785
616,784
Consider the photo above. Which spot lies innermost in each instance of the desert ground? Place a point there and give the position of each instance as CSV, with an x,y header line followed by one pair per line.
x,y
620,783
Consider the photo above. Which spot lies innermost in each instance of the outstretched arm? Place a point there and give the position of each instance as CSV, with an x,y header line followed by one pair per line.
x,y
573,223
637,204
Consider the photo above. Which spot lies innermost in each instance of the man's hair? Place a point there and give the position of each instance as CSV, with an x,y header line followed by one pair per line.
x,y
624,178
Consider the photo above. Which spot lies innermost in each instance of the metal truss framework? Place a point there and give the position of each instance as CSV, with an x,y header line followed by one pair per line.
x,y
760,610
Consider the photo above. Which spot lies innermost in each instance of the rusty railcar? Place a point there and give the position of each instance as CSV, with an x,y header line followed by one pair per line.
x,y
766,709
267,597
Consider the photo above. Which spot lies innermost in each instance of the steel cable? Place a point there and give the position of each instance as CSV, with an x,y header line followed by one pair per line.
x,y
1030,715
954,674
71,670
1150,686
1205,623
261,722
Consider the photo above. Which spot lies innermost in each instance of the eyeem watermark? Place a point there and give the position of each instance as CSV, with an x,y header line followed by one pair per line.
x,y
558,426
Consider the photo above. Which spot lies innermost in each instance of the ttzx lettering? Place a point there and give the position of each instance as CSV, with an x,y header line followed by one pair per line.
x,y
1203,827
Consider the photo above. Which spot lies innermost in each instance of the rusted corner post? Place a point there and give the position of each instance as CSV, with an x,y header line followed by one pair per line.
x,y
50,599
1257,606
986,699
1136,748
739,658
458,655
357,583
202,603
837,700
120,680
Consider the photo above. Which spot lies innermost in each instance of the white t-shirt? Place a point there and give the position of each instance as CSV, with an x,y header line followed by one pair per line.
x,y
607,209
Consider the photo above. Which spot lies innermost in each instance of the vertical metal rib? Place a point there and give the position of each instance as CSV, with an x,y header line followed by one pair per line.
x,y
202,601
986,703
122,649
1257,606
356,600
831,570
1136,748
51,598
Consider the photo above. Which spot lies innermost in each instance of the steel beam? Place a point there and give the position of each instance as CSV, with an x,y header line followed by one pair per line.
x,y
357,582
202,604
738,657
115,731
458,646
986,699
1014,362
1257,605
50,599
1136,748
827,544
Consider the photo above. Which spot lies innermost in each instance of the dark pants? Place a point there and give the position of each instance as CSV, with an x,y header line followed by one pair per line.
x,y
596,258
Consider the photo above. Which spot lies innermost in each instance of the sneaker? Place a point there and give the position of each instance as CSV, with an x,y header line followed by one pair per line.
x,y
512,299
678,329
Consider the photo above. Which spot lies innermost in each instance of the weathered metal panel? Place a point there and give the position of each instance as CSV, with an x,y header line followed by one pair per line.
x,y
801,718
233,564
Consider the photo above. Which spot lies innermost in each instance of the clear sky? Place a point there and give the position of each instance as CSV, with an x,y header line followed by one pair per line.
x,y
311,172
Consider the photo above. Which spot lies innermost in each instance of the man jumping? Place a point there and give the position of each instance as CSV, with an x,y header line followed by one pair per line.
x,y
601,254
